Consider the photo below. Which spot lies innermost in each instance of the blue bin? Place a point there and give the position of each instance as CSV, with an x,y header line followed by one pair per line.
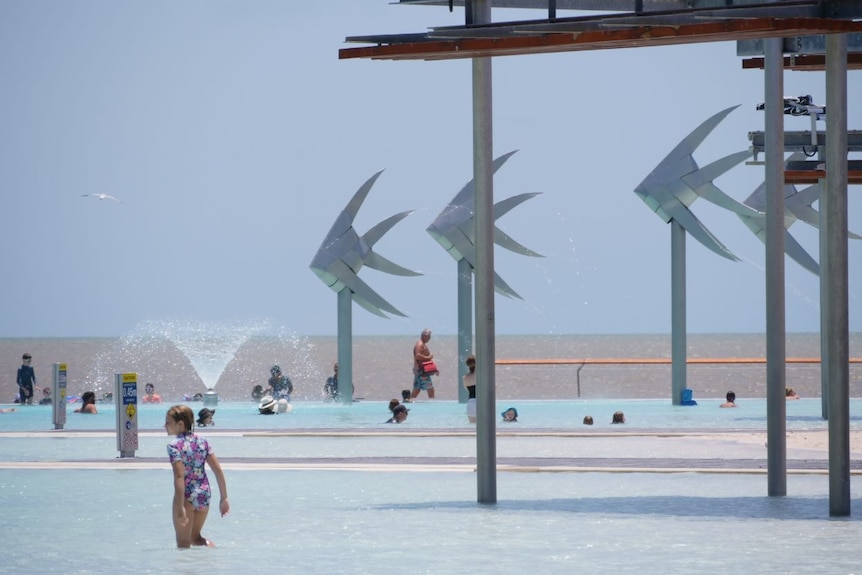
x,y
687,395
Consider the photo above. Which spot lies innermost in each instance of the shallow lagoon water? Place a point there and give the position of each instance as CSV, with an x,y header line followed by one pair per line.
x,y
111,521
641,414
117,519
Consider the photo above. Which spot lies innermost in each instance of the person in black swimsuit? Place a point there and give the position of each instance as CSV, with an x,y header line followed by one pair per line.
x,y
470,386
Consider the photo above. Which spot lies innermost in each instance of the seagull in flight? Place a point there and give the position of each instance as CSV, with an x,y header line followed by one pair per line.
x,y
100,196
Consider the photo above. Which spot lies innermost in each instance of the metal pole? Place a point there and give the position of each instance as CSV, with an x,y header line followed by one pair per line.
x,y
465,322
483,176
824,296
345,346
776,404
677,312
833,211
580,367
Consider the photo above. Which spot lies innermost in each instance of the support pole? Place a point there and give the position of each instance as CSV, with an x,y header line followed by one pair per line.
x,y
776,408
833,210
677,312
483,176
578,374
465,323
345,346
824,294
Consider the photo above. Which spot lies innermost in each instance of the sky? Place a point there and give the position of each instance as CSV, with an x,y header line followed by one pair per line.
x,y
233,136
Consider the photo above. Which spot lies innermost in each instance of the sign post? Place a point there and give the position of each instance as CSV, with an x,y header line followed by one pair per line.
x,y
59,394
126,394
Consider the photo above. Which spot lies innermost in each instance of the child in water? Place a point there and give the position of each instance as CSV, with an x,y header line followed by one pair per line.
x,y
188,455
510,415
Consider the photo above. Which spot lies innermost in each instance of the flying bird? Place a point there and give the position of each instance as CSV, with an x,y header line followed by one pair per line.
x,y
100,196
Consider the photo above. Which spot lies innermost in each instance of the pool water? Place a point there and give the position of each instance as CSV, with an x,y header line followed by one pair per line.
x,y
118,521
74,508
646,414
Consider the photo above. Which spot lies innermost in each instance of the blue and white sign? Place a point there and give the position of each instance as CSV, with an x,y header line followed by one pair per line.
x,y
126,394
58,414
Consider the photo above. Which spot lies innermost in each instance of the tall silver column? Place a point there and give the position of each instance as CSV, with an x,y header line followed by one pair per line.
x,y
677,312
825,278
465,322
776,408
345,346
483,176
833,211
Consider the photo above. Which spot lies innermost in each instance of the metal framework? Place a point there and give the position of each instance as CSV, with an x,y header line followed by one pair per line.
x,y
632,29
644,23
811,171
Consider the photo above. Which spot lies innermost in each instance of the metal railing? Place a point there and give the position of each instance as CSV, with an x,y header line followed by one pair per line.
x,y
656,361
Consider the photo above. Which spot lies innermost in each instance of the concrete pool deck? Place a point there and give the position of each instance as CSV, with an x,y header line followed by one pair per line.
x,y
560,451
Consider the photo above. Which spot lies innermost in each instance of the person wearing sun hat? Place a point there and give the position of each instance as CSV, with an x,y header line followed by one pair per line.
x,y
510,415
205,417
268,405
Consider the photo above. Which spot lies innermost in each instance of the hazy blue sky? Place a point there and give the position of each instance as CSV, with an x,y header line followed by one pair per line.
x,y
234,136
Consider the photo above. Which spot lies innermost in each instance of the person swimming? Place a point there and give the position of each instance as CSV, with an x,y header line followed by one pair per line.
x,y
205,417
510,415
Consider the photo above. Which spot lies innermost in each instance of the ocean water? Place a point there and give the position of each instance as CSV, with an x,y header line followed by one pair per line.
x,y
179,361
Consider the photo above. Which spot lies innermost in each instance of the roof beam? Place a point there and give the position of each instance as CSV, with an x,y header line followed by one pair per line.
x,y
806,63
390,48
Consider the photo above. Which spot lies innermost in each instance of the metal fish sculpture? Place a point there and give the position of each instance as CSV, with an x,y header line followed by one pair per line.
x,y
454,228
671,188
343,253
798,206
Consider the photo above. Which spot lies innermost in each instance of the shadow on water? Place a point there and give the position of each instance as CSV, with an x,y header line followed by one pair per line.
x,y
797,418
678,506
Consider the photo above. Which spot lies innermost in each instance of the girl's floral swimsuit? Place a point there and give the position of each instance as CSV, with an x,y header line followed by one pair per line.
x,y
193,450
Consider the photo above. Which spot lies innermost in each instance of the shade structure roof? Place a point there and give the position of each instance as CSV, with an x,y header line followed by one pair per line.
x,y
613,30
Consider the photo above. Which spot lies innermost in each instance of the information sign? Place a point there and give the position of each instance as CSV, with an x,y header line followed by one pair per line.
x,y
126,394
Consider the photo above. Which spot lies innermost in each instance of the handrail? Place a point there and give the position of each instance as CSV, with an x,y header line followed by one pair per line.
x,y
654,361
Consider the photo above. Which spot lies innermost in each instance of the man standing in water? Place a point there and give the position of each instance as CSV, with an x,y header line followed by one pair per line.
x,y
421,354
280,385
26,380
330,388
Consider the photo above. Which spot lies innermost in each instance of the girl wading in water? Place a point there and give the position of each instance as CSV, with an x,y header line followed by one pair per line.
x,y
189,454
